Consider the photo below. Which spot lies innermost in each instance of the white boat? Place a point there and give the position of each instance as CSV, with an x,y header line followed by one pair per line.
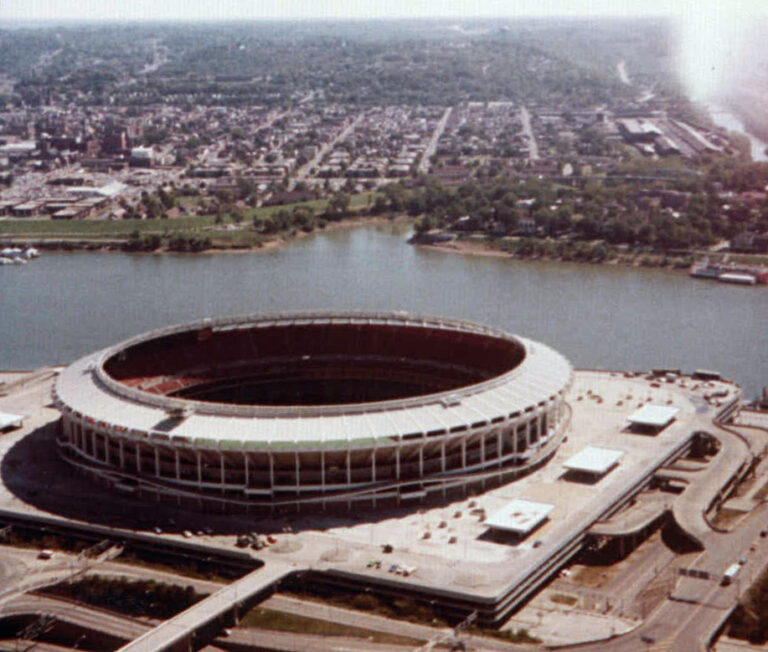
x,y
5,261
741,279
31,252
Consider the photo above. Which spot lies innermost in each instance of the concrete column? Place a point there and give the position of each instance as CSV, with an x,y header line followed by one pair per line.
x,y
421,461
247,482
106,449
157,461
482,455
94,450
178,463
397,471
499,445
348,462
442,463
199,471
298,471
121,451
322,476
271,472
322,470
373,473
514,439
373,466
138,457
464,461
349,476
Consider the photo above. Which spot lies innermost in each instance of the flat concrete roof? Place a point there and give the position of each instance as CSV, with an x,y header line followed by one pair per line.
x,y
8,420
520,516
593,460
656,416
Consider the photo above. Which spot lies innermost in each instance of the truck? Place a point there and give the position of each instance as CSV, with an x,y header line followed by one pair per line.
x,y
730,573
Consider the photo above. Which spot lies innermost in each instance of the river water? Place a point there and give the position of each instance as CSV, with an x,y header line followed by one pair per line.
x,y
729,120
64,305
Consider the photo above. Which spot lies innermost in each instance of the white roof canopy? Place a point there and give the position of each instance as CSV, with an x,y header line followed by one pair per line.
x,y
593,460
520,516
10,420
656,416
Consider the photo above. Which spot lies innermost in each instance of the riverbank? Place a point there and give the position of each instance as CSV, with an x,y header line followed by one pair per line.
x,y
588,254
585,253
243,239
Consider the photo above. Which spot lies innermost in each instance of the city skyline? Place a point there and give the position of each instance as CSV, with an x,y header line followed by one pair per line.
x,y
197,10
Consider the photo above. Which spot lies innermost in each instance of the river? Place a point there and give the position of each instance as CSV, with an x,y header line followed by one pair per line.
x,y
64,305
727,119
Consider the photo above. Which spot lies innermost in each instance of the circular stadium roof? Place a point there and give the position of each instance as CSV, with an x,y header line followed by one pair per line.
x,y
312,379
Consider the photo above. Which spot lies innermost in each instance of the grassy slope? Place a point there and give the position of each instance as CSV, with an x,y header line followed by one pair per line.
x,y
48,228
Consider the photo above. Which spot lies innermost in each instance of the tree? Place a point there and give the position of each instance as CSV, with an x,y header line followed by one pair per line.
x,y
338,205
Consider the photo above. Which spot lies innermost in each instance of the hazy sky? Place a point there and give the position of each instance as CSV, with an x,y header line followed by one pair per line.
x,y
234,9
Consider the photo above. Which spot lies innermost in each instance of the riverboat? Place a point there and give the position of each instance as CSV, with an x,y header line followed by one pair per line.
x,y
730,273
16,256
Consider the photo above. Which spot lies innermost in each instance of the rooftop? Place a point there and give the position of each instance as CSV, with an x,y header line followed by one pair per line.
x,y
520,516
593,460
655,416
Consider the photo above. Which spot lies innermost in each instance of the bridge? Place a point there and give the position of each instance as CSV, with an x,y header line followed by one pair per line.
x,y
203,621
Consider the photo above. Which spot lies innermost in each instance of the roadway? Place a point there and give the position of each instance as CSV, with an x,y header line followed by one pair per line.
x,y
126,627
690,508
425,162
533,148
304,170
217,605
698,607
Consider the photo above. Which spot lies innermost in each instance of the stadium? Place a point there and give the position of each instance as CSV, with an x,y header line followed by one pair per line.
x,y
313,410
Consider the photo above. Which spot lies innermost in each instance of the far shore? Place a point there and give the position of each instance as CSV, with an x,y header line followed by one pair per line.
x,y
462,246
112,244
484,248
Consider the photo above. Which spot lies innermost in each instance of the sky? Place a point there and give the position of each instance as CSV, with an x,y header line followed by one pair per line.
x,y
357,9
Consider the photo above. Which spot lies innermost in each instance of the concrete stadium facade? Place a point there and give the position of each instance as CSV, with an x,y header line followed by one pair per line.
x,y
313,410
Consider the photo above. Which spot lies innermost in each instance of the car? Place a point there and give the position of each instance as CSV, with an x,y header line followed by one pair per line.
x,y
45,554
187,534
394,568
742,561
158,530
387,548
271,539
764,533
